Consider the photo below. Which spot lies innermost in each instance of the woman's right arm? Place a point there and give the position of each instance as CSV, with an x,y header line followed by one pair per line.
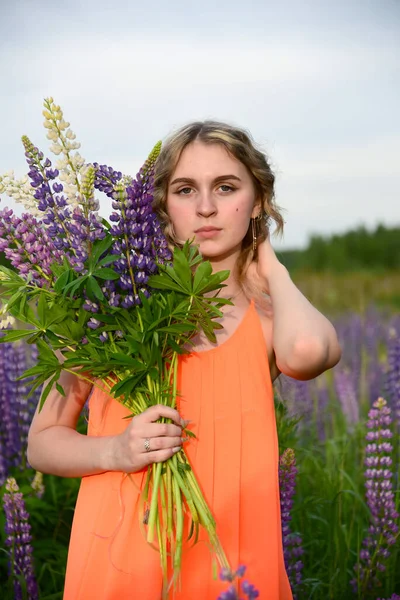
x,y
54,445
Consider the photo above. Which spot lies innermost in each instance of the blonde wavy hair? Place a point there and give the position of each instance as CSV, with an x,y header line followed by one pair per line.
x,y
241,146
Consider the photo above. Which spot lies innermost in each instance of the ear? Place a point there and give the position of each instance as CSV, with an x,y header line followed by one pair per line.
x,y
256,212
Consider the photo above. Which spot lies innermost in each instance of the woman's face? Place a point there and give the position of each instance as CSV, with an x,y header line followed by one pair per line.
x,y
211,198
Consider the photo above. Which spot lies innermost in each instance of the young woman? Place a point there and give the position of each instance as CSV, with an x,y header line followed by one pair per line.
x,y
211,184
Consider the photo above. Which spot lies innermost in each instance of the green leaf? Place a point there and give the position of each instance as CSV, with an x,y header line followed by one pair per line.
x,y
60,389
128,361
106,273
201,276
93,289
46,354
42,310
99,247
107,260
63,280
124,387
33,371
178,328
14,301
15,334
74,286
161,282
47,390
181,269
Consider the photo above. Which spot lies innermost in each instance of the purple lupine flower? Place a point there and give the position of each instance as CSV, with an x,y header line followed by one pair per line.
x,y
140,243
9,433
27,246
347,394
18,540
292,543
383,530
392,597
250,590
392,376
231,593
72,229
106,179
16,410
21,406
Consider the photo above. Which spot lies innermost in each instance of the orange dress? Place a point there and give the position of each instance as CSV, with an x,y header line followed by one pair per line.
x,y
227,394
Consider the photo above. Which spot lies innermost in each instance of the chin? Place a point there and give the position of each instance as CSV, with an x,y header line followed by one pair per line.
x,y
216,253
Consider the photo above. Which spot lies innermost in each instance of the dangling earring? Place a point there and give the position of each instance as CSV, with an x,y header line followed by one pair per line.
x,y
254,230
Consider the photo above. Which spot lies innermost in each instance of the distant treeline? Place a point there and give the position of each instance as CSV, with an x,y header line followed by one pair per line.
x,y
358,249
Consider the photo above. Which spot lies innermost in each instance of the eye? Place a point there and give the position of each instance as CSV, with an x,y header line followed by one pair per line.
x,y
182,189
230,188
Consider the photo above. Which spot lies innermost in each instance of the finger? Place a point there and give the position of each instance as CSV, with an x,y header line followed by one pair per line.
x,y
161,443
161,455
152,430
160,410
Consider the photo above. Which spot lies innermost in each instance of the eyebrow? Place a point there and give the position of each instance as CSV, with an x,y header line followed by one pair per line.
x,y
216,180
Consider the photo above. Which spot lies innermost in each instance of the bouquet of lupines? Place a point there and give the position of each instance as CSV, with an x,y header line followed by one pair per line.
x,y
112,300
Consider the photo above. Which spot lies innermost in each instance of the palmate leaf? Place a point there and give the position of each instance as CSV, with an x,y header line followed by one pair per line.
x,y
181,271
202,276
161,282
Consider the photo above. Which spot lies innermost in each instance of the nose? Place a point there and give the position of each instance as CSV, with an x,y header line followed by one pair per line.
x,y
206,204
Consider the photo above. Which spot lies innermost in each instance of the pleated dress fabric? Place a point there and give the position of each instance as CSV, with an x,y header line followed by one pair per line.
x,y
227,393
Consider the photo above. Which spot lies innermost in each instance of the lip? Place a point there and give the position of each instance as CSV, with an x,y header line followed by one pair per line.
x,y
207,229
206,233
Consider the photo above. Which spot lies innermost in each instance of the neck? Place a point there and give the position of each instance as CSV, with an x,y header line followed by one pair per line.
x,y
228,262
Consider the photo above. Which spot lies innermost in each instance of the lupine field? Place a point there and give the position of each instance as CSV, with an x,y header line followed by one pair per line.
x,y
339,474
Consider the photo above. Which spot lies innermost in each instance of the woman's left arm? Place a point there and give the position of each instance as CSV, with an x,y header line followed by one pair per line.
x,y
305,342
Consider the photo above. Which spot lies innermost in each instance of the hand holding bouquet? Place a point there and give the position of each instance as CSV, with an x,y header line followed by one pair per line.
x,y
112,300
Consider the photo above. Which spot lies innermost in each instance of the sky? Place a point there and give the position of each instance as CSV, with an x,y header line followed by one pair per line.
x,y
316,83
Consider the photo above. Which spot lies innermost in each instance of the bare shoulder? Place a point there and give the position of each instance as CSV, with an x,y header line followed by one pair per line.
x,y
265,312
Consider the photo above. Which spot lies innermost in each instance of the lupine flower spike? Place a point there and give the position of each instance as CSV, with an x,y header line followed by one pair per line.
x,y
383,531
18,541
291,542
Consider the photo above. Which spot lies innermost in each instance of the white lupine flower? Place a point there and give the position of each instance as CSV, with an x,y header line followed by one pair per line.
x,y
6,321
73,145
37,484
56,148
70,134
61,164
52,135
18,189
12,485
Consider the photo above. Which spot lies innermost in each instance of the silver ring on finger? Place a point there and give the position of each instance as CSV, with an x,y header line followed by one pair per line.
x,y
147,445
